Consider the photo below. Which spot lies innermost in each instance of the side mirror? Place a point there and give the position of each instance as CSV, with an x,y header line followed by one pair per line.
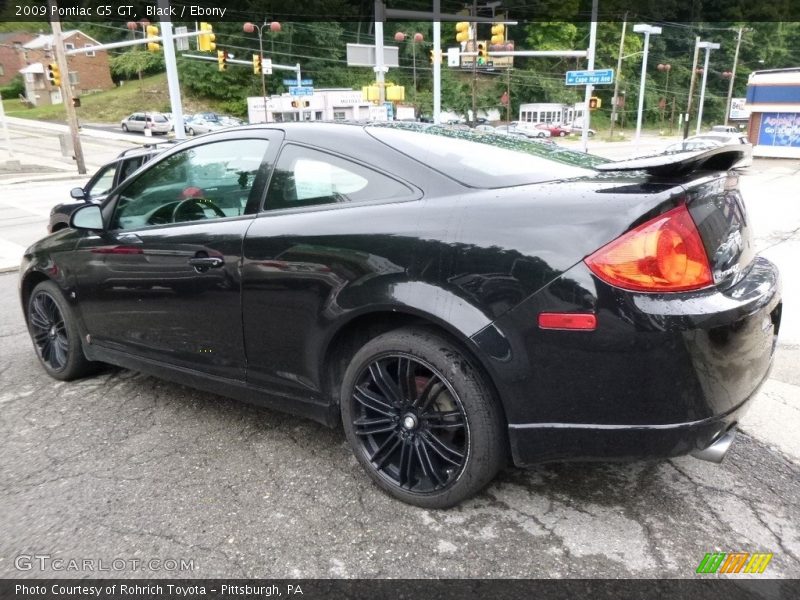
x,y
77,193
87,217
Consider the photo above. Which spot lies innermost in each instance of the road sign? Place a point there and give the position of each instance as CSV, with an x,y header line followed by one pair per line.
x,y
596,77
266,66
294,82
363,55
301,90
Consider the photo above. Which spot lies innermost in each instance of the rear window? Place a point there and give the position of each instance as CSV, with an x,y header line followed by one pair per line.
x,y
485,160
160,119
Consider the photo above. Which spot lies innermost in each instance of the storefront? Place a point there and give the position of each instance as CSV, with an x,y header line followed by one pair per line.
x,y
323,105
773,98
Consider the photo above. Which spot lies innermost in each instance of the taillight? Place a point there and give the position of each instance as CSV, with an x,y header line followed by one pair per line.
x,y
665,254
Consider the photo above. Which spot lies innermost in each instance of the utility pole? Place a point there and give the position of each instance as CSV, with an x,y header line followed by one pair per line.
x,y
615,98
588,94
66,87
733,76
691,88
172,70
437,64
474,120
379,75
709,46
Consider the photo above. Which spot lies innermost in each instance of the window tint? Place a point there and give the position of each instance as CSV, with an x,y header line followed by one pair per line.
x,y
305,177
103,184
215,180
128,166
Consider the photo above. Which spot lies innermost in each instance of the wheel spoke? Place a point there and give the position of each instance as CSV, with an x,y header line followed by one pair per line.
x,y
406,380
402,478
39,322
430,393
443,450
59,355
422,451
383,380
372,402
382,447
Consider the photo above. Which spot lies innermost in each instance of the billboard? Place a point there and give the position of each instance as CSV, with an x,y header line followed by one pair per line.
x,y
739,110
779,129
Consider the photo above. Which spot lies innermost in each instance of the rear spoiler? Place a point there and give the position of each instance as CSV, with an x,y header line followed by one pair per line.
x,y
721,158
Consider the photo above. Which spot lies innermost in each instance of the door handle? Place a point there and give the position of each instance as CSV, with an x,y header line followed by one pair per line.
x,y
203,263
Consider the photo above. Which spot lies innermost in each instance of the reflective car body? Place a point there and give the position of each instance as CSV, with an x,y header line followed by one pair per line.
x,y
714,139
141,121
329,234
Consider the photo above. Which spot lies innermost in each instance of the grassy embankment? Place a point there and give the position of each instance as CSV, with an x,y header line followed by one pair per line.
x,y
110,106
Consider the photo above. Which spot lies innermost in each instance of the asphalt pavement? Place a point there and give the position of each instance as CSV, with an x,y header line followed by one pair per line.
x,y
122,466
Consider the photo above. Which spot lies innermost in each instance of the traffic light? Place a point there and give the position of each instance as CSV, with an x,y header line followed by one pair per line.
x,y
498,33
205,41
434,54
594,103
152,32
54,74
222,60
462,31
306,103
295,104
483,55
257,64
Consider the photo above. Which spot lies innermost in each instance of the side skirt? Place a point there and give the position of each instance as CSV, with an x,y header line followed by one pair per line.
x,y
313,408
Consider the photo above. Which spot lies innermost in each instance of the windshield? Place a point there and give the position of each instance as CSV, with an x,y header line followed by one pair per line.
x,y
484,160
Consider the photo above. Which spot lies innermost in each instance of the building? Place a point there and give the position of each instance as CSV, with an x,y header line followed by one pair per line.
x,y
550,112
88,72
11,54
338,104
773,98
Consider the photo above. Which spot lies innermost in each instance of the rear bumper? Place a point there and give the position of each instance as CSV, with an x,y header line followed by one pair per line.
x,y
545,442
662,375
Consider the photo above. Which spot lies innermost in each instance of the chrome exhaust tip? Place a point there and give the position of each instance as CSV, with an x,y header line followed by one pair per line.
x,y
718,449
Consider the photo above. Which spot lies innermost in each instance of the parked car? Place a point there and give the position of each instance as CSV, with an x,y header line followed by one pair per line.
x,y
451,298
710,140
486,128
101,183
530,130
155,122
197,125
555,129
725,129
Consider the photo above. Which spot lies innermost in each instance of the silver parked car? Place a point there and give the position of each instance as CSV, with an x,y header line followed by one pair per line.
x,y
155,122
710,140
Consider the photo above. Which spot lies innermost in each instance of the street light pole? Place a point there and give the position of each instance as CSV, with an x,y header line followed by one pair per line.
x,y
647,30
709,46
274,27
615,98
733,76
402,36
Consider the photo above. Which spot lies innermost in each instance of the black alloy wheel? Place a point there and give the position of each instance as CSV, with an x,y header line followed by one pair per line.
x,y
421,420
55,334
49,331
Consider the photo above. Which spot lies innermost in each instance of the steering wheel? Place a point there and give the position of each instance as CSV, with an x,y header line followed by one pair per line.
x,y
201,203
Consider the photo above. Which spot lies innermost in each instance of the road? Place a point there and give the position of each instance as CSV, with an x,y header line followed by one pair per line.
x,y
122,465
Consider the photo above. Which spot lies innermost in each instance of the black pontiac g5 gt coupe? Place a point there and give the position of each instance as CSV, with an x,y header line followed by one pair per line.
x,y
451,298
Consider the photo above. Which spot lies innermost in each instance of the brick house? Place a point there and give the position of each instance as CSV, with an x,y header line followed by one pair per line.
x,y
89,72
10,57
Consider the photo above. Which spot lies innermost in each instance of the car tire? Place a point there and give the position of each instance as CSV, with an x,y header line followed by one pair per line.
x,y
191,132
124,128
541,135
562,133
54,332
421,418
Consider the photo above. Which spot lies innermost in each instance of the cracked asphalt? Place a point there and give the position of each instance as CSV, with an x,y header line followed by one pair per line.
x,y
125,466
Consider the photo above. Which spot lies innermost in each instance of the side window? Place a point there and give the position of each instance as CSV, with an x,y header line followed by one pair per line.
x,y
102,184
215,180
306,177
128,166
